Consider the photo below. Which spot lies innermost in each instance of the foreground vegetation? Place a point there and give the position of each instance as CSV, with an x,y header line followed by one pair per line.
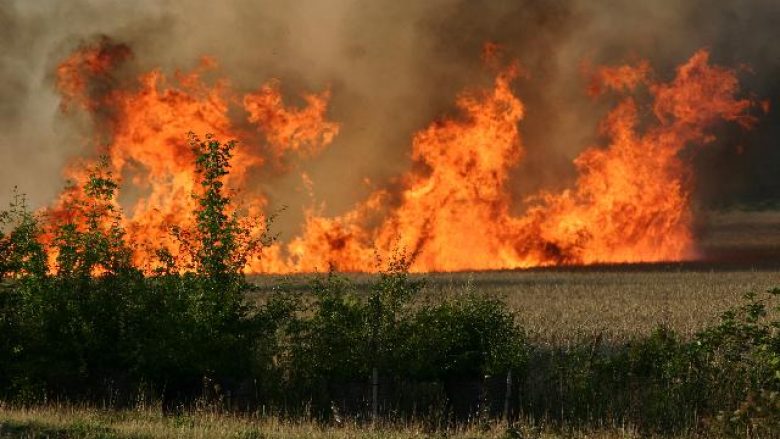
x,y
86,423
188,341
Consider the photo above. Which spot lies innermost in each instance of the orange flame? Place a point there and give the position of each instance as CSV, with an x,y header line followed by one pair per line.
x,y
148,120
630,203
304,130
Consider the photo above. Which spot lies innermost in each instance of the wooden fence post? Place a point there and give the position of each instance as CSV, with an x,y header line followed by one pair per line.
x,y
374,395
508,395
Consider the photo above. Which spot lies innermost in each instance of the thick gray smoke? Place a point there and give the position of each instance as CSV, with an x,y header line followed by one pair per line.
x,y
393,66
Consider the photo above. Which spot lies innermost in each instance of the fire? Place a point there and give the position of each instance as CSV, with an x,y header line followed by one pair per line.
x,y
454,210
631,202
453,214
304,130
147,120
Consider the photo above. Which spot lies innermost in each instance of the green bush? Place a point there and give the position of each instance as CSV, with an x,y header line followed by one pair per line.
x,y
344,333
741,358
465,338
333,342
727,377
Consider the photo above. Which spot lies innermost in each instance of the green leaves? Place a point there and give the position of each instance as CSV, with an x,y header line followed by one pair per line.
x,y
224,240
87,236
344,334
96,322
216,229
21,253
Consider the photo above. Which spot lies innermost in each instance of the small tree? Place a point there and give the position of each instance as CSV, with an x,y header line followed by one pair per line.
x,y
22,267
226,239
217,229
223,327
88,235
21,253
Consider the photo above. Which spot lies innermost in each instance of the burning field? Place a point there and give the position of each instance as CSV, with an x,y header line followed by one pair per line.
x,y
452,209
466,145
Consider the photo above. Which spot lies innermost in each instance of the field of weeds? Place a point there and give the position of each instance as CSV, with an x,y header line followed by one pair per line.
x,y
564,306
89,423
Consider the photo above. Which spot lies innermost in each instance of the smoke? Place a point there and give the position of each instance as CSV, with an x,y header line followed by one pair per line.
x,y
392,67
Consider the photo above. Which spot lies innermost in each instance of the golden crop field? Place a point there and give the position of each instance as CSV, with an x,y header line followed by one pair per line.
x,y
560,305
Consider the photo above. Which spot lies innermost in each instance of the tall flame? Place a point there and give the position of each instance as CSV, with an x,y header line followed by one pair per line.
x,y
454,209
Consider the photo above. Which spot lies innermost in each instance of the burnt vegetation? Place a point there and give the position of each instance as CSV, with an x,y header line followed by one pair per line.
x,y
80,322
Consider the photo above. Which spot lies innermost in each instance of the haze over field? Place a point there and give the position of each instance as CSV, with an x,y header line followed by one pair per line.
x,y
363,84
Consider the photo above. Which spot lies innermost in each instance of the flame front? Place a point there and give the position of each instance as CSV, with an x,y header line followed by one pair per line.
x,y
454,209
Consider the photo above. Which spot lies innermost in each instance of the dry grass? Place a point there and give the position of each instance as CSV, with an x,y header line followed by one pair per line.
x,y
69,422
559,306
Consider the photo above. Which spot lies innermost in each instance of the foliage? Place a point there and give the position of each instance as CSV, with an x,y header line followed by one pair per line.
x,y
342,335
743,355
465,338
95,326
727,375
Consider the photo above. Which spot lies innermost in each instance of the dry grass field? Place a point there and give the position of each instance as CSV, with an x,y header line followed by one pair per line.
x,y
87,423
561,306
740,252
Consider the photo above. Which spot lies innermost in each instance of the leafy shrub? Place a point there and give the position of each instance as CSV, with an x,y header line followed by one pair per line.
x,y
466,338
727,375
333,344
742,357
343,334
